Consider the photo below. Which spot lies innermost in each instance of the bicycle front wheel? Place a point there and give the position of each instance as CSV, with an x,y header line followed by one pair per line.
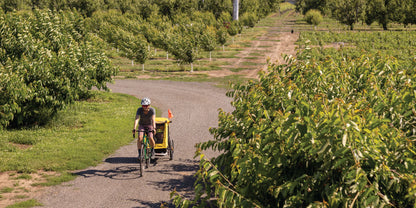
x,y
141,161
148,155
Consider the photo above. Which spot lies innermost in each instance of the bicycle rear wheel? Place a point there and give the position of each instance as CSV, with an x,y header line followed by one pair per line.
x,y
171,148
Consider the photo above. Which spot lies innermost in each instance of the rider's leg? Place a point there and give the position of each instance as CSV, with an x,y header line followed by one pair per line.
x,y
152,141
152,144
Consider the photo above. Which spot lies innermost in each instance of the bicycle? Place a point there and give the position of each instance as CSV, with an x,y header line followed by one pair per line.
x,y
146,151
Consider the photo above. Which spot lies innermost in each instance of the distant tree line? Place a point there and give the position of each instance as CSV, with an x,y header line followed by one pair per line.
x,y
144,7
350,12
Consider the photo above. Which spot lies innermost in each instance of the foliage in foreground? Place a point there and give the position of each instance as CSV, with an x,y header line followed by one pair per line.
x,y
47,60
315,134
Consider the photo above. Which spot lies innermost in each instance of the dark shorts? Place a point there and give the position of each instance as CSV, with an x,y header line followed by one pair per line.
x,y
144,127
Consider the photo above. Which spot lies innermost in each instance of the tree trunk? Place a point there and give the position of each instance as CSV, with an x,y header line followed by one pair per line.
x,y
384,26
235,9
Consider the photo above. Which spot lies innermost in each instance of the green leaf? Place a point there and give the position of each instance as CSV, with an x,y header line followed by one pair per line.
x,y
324,148
340,162
344,139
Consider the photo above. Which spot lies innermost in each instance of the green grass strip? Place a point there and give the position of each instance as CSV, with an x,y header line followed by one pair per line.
x,y
81,136
25,204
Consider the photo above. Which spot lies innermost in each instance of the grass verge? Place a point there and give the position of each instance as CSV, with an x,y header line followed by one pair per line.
x,y
79,137
25,204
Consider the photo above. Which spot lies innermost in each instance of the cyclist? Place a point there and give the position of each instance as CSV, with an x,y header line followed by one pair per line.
x,y
146,118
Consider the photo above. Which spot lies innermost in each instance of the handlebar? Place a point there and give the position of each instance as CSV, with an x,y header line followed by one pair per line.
x,y
145,130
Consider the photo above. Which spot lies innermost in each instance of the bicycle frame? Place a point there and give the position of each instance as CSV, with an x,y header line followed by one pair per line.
x,y
146,146
145,150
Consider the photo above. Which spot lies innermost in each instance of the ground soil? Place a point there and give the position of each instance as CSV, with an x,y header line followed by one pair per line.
x,y
278,40
115,182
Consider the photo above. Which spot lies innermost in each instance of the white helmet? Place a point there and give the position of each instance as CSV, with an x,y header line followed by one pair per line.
x,y
145,101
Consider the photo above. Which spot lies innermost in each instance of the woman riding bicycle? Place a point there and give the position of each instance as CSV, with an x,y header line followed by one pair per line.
x,y
146,118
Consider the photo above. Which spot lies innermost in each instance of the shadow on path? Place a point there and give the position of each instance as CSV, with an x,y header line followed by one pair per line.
x,y
119,173
122,160
152,205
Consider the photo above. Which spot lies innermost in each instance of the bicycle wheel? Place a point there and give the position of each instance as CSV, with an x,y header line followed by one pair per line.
x,y
146,151
148,155
170,148
141,161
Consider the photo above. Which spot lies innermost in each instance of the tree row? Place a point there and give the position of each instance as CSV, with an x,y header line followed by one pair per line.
x,y
350,12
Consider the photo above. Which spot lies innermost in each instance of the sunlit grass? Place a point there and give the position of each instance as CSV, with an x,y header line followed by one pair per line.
x,y
79,137
25,204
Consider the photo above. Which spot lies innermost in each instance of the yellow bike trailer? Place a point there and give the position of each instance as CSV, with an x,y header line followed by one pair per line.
x,y
164,144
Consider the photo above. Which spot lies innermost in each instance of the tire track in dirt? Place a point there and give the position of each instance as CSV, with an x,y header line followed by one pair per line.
x,y
275,42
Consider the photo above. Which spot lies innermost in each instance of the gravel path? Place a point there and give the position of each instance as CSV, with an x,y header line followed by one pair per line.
x,y
115,182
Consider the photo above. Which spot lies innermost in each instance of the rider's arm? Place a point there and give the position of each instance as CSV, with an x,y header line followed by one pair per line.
x,y
136,122
154,121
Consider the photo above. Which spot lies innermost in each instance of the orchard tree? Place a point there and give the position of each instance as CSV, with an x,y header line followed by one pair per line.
x,y
134,46
49,60
260,7
217,7
313,17
305,5
159,35
385,11
147,9
185,6
86,7
182,46
209,40
225,18
184,42
140,50
126,5
10,5
348,12
248,6
398,10
206,18
233,28
222,35
58,5
39,4
410,11
249,19
267,6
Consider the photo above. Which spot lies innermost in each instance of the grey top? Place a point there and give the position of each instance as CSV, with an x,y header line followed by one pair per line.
x,y
145,119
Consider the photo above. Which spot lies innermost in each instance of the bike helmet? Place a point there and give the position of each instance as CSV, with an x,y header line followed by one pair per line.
x,y
145,101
